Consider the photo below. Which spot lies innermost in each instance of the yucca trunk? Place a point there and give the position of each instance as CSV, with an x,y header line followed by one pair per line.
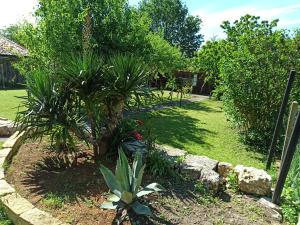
x,y
114,113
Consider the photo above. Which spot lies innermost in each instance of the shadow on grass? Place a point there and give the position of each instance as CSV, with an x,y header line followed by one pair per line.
x,y
174,127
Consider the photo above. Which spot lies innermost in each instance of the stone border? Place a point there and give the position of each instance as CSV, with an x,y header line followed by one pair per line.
x,y
213,175
18,209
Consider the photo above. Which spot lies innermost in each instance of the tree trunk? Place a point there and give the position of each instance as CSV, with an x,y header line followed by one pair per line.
x,y
114,113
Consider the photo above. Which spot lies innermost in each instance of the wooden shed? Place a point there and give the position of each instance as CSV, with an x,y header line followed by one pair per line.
x,y
9,53
198,80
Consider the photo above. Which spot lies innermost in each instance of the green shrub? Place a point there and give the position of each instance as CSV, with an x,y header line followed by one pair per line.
x,y
126,185
254,74
158,165
232,181
205,195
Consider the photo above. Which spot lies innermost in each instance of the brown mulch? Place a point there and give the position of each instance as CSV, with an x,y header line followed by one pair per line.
x,y
35,173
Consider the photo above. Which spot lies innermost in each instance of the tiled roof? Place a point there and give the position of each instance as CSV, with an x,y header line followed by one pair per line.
x,y
10,48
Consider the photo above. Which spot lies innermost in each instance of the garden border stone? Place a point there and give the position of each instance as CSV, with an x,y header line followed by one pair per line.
x,y
18,209
213,173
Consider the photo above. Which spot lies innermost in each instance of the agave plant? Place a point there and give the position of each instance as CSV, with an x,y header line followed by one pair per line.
x,y
126,185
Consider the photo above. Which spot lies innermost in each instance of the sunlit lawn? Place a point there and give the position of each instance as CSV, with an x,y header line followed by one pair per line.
x,y
9,102
201,128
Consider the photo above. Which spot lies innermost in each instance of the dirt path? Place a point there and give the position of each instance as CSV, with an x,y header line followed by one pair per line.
x,y
193,98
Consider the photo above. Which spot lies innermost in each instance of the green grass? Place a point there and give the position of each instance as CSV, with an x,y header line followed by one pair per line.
x,y
201,128
9,102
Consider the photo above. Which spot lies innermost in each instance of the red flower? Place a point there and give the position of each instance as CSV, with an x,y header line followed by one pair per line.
x,y
138,136
140,122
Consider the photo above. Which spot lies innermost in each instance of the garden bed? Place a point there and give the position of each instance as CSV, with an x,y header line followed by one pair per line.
x,y
74,194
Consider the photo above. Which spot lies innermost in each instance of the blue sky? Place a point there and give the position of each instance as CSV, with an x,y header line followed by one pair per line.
x,y
212,12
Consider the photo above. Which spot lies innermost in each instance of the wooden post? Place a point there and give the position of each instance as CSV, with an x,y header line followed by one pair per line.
x,y
280,117
290,151
2,75
289,129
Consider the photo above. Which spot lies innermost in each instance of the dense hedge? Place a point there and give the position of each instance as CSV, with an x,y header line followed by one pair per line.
x,y
252,72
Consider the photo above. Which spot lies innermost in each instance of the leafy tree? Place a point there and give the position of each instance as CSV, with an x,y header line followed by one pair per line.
x,y
104,27
172,18
164,58
113,27
11,32
207,62
254,74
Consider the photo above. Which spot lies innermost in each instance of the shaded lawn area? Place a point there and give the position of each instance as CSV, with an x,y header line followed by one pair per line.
x,y
156,97
201,128
9,102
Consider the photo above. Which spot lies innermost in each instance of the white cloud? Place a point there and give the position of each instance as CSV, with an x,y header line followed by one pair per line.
x,y
212,20
13,11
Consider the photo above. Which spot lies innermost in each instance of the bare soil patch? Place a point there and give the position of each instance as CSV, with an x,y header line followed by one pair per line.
x,y
81,189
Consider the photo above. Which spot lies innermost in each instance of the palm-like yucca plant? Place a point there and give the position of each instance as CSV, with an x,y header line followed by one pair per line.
x,y
125,77
47,112
126,185
83,75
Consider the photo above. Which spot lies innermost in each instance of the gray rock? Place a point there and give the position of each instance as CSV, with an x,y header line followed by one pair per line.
x,y
193,165
172,154
16,205
6,127
273,210
224,168
135,146
211,179
5,188
265,202
38,217
253,181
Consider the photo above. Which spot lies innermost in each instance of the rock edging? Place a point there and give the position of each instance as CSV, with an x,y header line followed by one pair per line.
x,y
213,173
18,209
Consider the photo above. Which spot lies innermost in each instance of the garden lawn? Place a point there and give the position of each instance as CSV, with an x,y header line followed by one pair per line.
x,y
201,128
9,102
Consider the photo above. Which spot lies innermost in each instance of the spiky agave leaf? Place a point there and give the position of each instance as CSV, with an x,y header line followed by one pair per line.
x,y
141,209
154,187
138,181
109,205
137,164
123,172
111,181
113,198
138,172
